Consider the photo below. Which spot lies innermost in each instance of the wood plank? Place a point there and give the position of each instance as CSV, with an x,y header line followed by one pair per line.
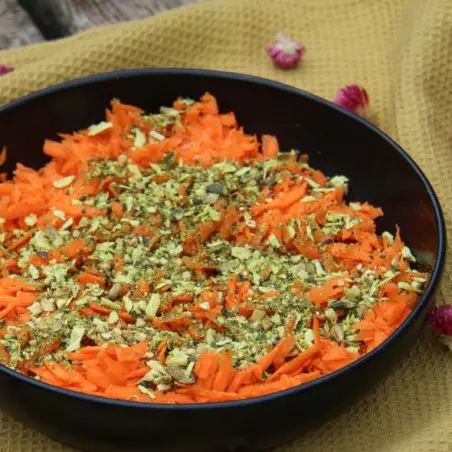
x,y
16,27
57,18
83,14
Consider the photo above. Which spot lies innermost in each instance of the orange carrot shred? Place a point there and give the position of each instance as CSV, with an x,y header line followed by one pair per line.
x,y
164,240
20,242
3,156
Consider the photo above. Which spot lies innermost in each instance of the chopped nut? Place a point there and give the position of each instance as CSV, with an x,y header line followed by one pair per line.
x,y
140,138
77,334
113,317
331,315
99,128
35,308
153,305
257,315
407,254
337,332
140,323
30,220
210,337
64,182
115,291
156,135
178,373
47,305
101,326
240,252
177,357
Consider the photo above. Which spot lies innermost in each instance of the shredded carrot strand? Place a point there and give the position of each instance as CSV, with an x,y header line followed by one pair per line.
x,y
168,241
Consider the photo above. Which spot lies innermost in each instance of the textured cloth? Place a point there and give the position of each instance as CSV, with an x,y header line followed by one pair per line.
x,y
401,51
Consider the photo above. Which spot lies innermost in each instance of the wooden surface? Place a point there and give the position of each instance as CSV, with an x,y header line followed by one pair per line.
x,y
16,27
26,21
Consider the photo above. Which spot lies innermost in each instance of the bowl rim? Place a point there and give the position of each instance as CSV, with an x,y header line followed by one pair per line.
x,y
424,299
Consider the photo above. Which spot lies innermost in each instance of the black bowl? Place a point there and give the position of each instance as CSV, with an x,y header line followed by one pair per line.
x,y
338,143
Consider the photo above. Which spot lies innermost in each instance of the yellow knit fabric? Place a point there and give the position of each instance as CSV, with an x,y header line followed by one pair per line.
x,y
401,51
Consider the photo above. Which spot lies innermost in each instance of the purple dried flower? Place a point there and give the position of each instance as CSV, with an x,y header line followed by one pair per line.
x,y
5,68
285,53
354,98
440,319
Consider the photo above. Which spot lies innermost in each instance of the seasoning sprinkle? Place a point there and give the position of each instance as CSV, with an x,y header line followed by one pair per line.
x,y
184,261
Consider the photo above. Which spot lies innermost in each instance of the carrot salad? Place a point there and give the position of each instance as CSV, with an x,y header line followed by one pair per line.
x,y
172,258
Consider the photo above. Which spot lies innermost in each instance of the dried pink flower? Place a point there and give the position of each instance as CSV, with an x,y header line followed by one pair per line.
x,y
355,99
285,53
5,68
440,319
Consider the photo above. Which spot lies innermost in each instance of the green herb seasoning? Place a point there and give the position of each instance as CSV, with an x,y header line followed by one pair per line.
x,y
173,258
